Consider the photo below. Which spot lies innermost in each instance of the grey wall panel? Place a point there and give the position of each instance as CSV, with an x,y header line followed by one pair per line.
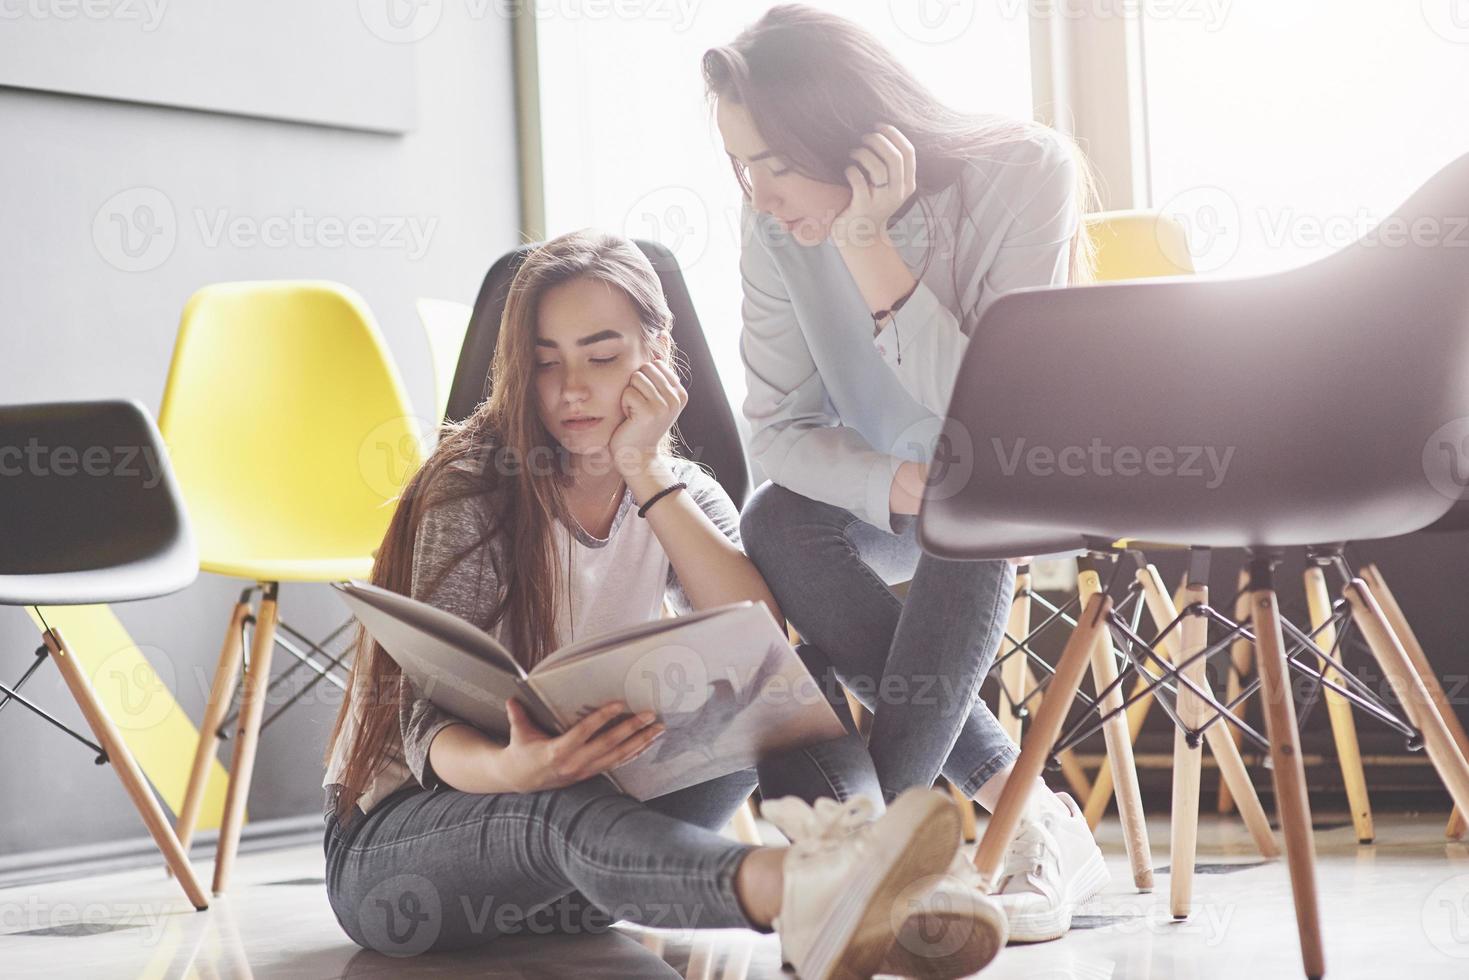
x,y
333,63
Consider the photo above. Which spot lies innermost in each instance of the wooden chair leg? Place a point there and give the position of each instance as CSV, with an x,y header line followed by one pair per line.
x,y
1289,773
125,766
1187,762
1224,749
968,822
221,692
1410,690
743,824
1015,671
247,737
1120,762
1137,713
1036,746
1071,768
1399,623
1239,668
1339,709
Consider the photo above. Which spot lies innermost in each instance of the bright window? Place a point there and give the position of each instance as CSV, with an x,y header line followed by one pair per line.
x,y
629,144
1281,132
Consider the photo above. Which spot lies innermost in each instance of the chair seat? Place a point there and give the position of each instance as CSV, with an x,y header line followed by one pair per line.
x,y
276,569
95,515
145,578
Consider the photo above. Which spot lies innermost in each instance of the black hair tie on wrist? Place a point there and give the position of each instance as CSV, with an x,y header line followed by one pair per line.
x,y
643,510
892,311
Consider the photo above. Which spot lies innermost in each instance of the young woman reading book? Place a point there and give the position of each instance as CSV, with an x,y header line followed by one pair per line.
x,y
557,511
880,225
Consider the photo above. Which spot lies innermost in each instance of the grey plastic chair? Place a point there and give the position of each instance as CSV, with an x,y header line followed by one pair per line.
x,y
89,513
1325,393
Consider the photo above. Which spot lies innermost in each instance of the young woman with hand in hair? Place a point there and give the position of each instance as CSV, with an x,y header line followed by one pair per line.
x,y
879,226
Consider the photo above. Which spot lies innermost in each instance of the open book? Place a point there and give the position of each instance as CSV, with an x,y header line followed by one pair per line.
x,y
725,682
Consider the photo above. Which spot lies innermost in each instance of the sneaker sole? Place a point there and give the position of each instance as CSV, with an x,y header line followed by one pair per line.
x,y
1055,923
858,934
984,935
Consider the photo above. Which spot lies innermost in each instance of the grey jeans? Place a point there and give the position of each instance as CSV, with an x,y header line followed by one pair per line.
x,y
440,869
916,662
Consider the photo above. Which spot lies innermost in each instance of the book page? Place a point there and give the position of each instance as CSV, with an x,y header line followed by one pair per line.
x,y
728,686
604,641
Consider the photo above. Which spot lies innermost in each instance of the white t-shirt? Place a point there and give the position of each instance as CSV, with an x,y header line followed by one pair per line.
x,y
617,581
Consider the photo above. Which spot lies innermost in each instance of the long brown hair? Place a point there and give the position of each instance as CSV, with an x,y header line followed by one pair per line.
x,y
523,477
815,83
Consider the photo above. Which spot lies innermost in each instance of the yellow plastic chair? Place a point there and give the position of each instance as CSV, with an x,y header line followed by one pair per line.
x,y
1138,245
445,323
291,436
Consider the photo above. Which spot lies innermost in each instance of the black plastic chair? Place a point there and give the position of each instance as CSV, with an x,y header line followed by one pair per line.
x,y
90,513
1329,383
707,430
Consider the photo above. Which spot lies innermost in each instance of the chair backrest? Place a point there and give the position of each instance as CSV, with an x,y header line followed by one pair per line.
x,y
89,509
1320,404
707,429
445,323
288,424
1137,244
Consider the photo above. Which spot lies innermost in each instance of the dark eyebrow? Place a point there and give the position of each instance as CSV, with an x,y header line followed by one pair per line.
x,y
588,340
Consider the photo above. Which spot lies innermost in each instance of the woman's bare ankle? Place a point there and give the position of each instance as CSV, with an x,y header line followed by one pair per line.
x,y
758,884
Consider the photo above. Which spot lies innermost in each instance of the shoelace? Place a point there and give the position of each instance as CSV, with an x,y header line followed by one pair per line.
x,y
1027,855
823,827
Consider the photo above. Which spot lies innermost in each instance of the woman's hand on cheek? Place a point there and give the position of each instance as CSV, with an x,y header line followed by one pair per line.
x,y
883,174
651,403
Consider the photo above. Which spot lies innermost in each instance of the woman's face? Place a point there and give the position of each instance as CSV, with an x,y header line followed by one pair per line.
x,y
589,341
804,205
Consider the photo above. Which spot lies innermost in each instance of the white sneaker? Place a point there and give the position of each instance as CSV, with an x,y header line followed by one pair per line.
x,y
1053,866
938,926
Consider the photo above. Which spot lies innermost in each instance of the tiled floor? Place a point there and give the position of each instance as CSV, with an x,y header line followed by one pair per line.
x,y
1396,909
